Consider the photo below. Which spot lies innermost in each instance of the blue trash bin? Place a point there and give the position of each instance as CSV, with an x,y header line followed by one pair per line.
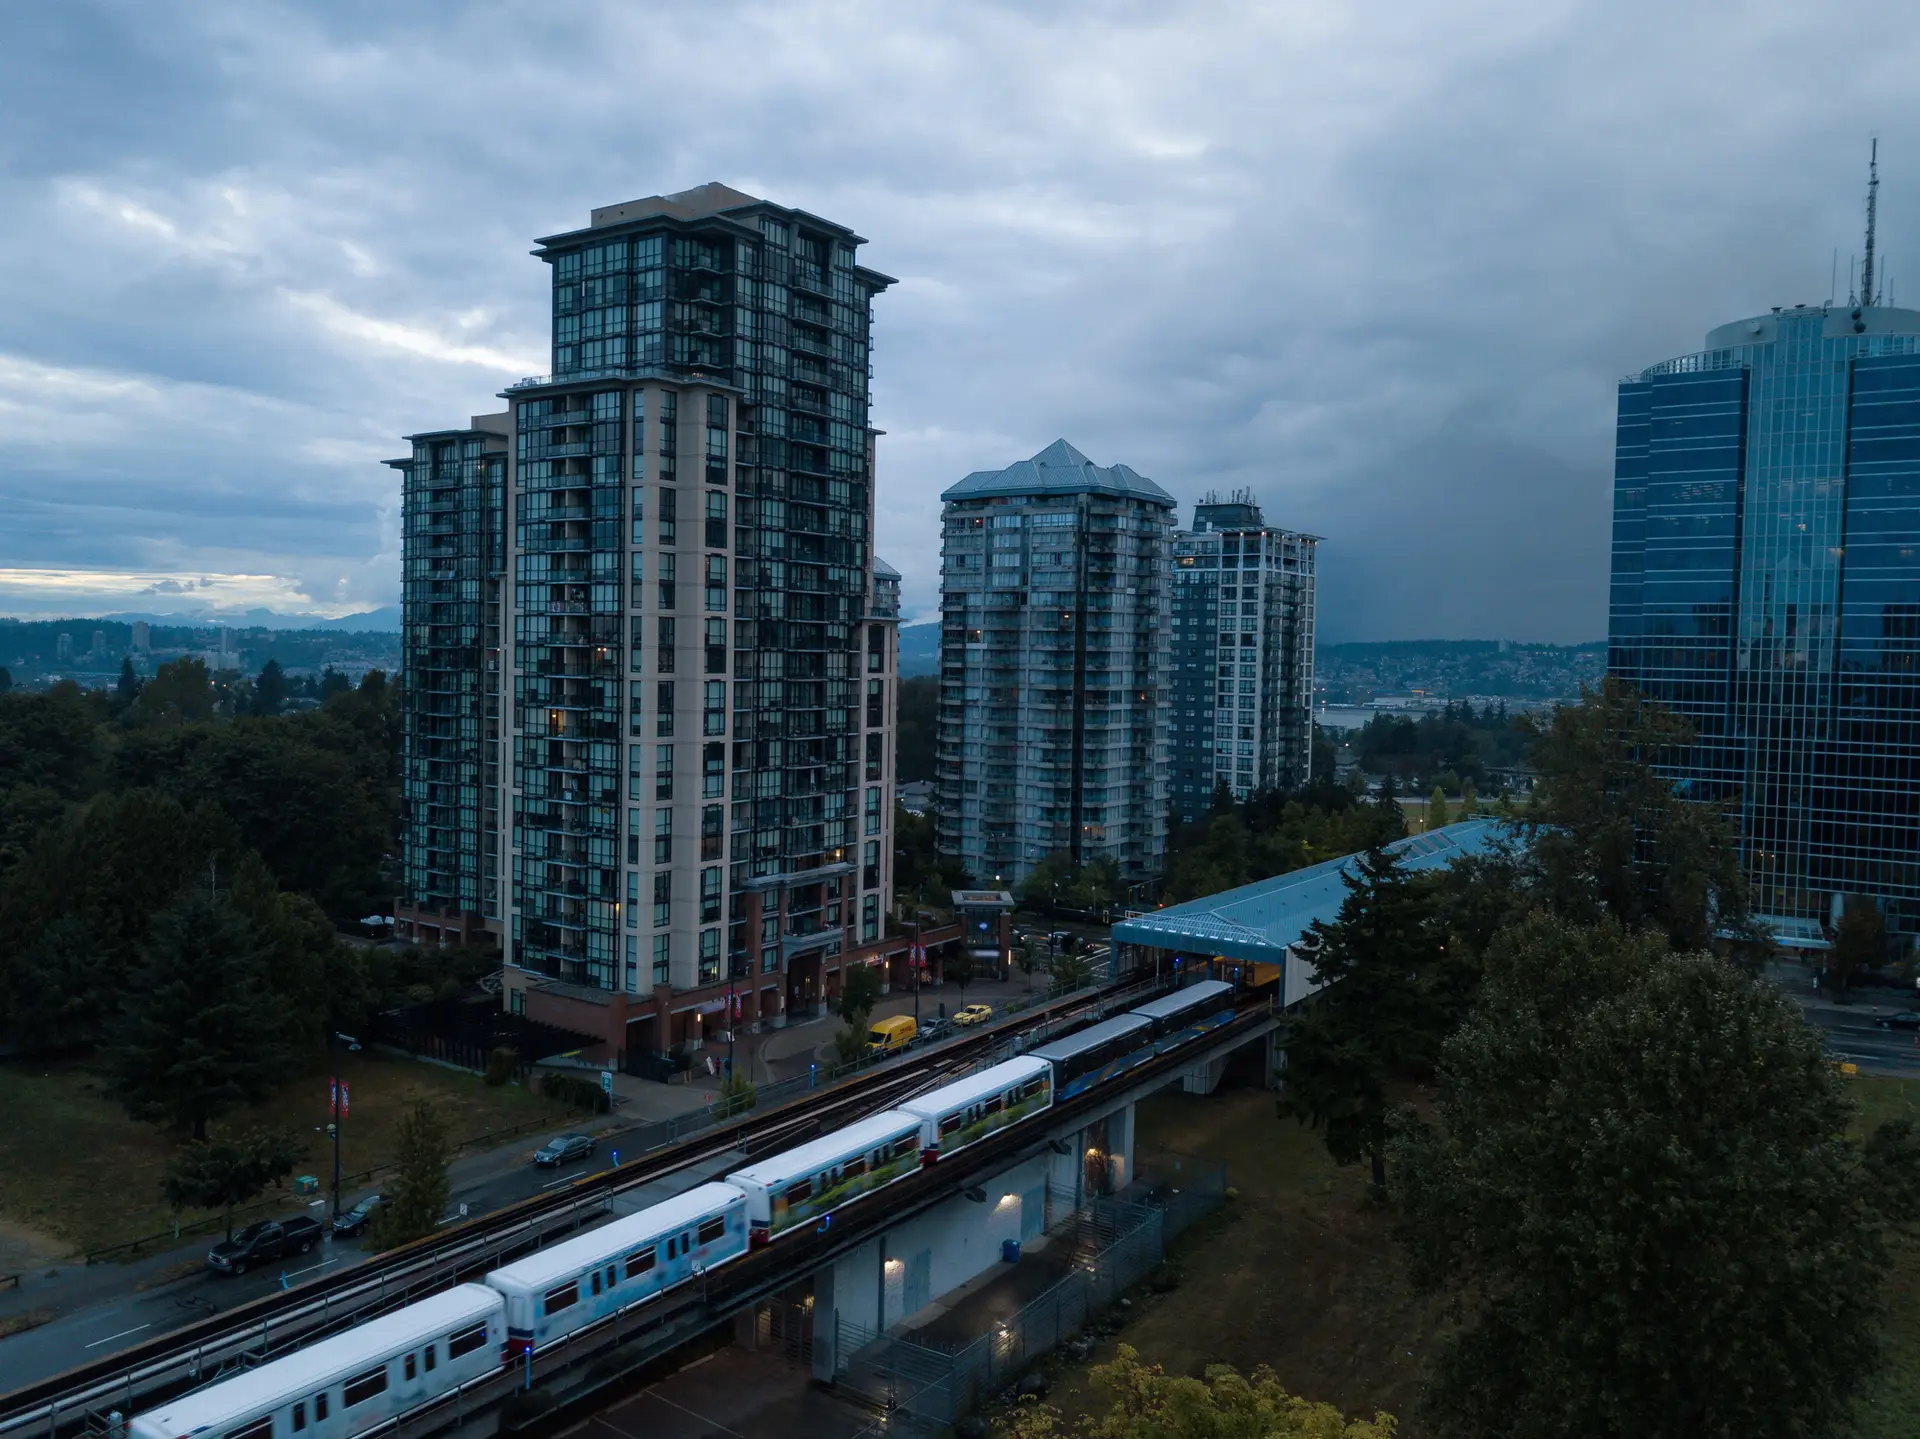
x,y
1010,1250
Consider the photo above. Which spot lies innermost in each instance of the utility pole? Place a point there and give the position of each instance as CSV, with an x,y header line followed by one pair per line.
x,y
915,959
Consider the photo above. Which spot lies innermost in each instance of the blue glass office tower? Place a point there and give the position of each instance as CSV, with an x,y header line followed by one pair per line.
x,y
1766,584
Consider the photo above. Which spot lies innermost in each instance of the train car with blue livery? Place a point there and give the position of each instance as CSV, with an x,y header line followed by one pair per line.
x,y
1097,1053
1187,1013
569,1285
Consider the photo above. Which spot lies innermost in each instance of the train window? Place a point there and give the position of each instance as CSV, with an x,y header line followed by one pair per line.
x,y
594,1280
259,1429
562,1297
798,1192
410,1365
995,1105
320,1407
362,1387
713,1229
640,1261
465,1342
613,1275
953,1121
433,1357
299,1416
855,1168
686,1243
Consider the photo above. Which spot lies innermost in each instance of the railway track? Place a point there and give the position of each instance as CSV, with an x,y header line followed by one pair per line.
x,y
263,1328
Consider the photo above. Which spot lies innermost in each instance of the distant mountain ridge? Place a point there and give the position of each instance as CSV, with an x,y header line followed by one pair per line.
x,y
385,620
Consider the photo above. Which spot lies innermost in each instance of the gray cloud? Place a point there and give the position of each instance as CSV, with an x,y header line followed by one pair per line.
x,y
1381,264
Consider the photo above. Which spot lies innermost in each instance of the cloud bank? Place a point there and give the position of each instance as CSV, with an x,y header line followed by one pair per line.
x,y
1383,265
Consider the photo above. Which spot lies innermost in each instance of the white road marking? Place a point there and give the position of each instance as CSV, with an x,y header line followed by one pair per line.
x,y
311,1269
121,1335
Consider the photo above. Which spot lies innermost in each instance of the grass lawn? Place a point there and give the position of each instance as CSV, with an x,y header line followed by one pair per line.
x,y
1890,1408
76,1169
1301,1273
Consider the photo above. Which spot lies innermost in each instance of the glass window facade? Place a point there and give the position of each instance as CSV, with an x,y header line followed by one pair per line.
x,y
1053,667
1766,584
1241,676
451,569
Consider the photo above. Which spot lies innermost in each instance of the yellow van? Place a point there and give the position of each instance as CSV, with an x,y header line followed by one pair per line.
x,y
890,1036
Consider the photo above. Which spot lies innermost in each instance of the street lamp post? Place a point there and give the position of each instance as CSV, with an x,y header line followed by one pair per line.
x,y
914,958
333,1052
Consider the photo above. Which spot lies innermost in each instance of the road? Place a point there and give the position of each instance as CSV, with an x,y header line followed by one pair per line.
x,y
1851,1030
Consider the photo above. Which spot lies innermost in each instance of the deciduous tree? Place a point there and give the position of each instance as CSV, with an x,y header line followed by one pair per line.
x,y
421,1187
1147,1403
1640,1188
1611,835
1859,941
224,1170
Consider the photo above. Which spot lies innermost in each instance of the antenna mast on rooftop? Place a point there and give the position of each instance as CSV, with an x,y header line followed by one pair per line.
x,y
1873,197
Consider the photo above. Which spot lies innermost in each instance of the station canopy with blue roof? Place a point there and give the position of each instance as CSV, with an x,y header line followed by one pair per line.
x,y
1259,922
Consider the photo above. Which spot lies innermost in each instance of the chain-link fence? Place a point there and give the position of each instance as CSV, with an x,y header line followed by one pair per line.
x,y
1105,1247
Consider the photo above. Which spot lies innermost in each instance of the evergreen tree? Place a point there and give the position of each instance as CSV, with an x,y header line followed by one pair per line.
x,y
202,1027
1437,816
1640,1190
1392,990
270,689
128,686
421,1188
859,992
52,992
224,1170
1469,799
1610,834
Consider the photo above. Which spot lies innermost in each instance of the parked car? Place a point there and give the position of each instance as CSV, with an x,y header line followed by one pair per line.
x,y
350,1222
974,1014
258,1243
563,1150
1905,1019
932,1029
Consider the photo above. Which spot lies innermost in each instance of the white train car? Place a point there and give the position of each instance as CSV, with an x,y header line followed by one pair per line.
x,y
817,1178
569,1285
968,1110
350,1383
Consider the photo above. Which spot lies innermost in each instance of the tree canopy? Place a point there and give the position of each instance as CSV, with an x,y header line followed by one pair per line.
x,y
224,1170
1145,1402
1610,834
1640,1187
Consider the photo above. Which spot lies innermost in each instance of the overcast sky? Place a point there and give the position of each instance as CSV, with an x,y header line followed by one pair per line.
x,y
1383,264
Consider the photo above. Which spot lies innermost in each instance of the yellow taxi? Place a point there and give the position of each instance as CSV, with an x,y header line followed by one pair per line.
x,y
974,1014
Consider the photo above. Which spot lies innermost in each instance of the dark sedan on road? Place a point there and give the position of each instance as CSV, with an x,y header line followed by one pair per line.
x,y
560,1151
1905,1019
350,1222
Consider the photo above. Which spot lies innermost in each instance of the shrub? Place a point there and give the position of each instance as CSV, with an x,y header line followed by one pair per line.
x,y
581,1094
500,1066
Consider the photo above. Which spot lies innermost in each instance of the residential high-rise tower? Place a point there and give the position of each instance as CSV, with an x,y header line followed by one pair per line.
x,y
1053,667
697,653
1242,664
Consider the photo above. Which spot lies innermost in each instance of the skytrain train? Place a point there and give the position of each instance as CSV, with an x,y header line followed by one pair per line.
x,y
358,1380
